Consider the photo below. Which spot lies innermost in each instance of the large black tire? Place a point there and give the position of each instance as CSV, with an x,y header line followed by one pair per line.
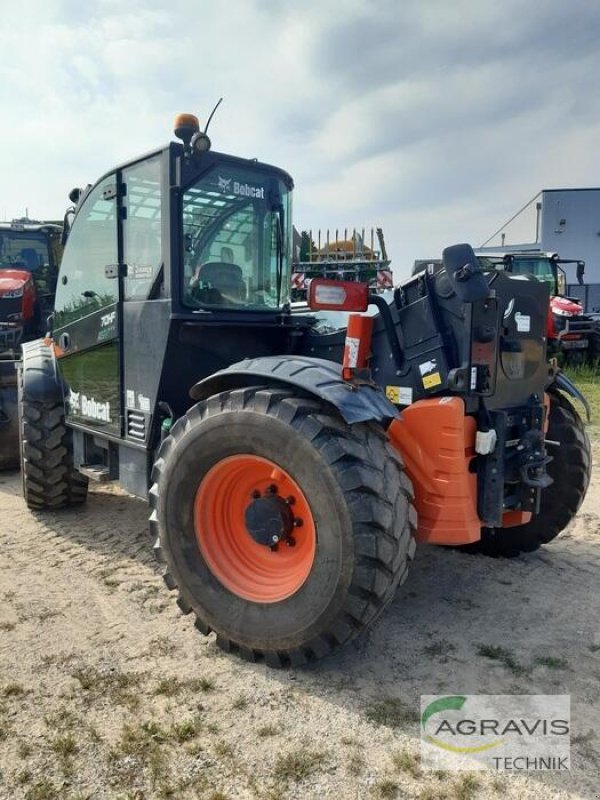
x,y
360,499
49,478
570,471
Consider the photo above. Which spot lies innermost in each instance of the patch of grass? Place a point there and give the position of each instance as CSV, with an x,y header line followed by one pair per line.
x,y
24,777
406,761
386,789
433,793
48,613
583,738
169,687
504,656
65,746
163,646
14,690
172,686
465,787
24,749
298,764
356,763
42,790
441,649
391,712
62,718
586,377
7,626
121,688
552,662
223,749
142,743
240,703
212,727
266,730
201,684
186,730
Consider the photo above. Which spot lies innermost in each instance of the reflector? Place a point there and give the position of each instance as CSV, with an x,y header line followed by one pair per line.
x,y
328,295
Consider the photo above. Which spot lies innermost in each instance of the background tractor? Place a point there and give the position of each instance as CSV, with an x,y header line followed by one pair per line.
x,y
29,258
349,258
290,458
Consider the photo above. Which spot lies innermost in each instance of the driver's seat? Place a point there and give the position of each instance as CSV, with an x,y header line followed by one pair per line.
x,y
225,277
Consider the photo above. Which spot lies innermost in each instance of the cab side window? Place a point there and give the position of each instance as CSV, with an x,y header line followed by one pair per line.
x,y
83,287
142,230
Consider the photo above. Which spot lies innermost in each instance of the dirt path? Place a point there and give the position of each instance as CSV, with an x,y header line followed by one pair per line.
x,y
107,691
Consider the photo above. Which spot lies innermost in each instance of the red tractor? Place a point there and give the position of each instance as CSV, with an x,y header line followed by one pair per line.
x,y
29,258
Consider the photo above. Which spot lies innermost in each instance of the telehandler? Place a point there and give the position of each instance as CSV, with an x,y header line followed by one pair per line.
x,y
291,459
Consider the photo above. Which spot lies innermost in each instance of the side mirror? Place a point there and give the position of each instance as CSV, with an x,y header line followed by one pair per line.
x,y
463,268
328,295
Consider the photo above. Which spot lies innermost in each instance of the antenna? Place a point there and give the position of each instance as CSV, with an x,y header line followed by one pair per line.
x,y
212,113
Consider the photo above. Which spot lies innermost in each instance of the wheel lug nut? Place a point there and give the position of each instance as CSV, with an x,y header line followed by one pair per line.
x,y
290,500
275,539
290,541
298,523
272,489
255,494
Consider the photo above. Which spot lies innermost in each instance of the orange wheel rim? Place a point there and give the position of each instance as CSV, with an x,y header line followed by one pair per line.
x,y
254,528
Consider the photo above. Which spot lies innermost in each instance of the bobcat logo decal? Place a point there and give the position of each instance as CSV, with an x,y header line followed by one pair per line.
x,y
224,184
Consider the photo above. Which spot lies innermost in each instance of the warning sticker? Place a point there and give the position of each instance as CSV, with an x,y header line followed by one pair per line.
x,y
428,366
400,395
523,322
429,381
352,345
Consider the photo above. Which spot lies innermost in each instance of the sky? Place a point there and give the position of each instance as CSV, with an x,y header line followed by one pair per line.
x,y
434,119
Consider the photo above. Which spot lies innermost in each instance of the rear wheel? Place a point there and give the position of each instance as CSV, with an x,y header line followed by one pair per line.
x,y
284,530
570,470
49,478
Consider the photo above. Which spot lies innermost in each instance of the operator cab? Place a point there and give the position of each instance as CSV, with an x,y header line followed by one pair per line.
x,y
177,265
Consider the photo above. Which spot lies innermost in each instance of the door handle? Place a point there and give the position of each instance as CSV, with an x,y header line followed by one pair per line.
x,y
64,341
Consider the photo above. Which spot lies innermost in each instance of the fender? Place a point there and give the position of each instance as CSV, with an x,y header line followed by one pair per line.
x,y
316,376
564,383
42,382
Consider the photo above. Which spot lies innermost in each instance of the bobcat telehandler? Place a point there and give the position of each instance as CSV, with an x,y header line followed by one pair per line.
x,y
291,462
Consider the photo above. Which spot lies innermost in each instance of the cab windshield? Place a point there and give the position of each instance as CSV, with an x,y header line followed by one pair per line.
x,y
541,268
23,249
236,233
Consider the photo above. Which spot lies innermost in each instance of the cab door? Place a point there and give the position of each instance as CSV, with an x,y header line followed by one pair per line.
x,y
87,320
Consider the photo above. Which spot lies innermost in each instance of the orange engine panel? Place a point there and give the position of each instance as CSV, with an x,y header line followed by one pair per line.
x,y
437,443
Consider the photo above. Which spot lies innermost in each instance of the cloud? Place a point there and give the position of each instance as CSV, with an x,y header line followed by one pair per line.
x,y
437,120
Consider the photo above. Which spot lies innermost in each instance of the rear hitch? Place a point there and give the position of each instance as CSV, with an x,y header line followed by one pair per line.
x,y
533,460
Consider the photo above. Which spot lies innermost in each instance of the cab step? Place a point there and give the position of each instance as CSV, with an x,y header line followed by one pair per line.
x,y
95,472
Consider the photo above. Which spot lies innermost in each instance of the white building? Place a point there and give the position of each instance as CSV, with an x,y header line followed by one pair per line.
x,y
563,221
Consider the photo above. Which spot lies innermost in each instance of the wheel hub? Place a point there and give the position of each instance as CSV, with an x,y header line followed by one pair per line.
x,y
269,519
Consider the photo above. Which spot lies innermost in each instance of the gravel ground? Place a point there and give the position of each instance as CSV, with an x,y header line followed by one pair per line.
x,y
107,691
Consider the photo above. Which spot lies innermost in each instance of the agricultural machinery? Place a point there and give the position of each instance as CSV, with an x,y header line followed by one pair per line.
x,y
292,458
346,257
29,258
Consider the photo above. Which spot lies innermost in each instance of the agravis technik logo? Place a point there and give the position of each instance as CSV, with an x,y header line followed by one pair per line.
x,y
516,732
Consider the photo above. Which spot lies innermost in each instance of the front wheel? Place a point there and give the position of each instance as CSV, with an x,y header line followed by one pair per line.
x,y
49,477
285,530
